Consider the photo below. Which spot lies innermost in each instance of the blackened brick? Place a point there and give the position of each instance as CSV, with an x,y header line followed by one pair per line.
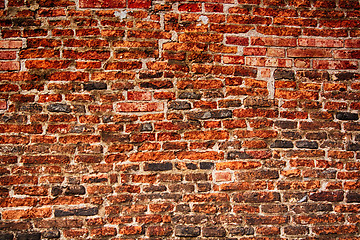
x,y
6,236
282,144
95,86
221,114
158,166
327,196
187,231
240,231
50,234
59,107
286,124
284,74
206,165
190,95
353,147
179,105
87,211
75,190
306,144
214,232
347,116
353,197
28,236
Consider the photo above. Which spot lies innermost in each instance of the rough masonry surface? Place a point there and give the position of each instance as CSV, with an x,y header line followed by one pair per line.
x,y
209,119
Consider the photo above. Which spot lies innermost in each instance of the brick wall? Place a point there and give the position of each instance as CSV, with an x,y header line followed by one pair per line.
x,y
213,119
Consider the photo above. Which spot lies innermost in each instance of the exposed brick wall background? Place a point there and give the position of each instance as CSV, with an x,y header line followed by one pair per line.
x,y
214,119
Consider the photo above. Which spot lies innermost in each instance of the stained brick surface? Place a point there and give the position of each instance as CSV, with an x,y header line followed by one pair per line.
x,y
140,119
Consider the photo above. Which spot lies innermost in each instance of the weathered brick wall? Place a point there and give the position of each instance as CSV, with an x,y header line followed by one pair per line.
x,y
214,119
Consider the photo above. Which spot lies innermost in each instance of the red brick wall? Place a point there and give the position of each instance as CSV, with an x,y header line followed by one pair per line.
x,y
214,119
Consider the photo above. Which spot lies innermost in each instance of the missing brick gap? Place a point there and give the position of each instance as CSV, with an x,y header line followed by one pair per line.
x,y
204,20
121,14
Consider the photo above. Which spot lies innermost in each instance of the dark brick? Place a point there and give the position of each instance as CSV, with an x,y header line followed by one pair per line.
x,y
282,144
312,75
158,166
240,231
57,190
86,211
316,136
213,94
95,86
311,207
8,226
75,190
353,147
28,236
257,197
32,108
191,166
187,231
286,124
296,230
179,105
203,187
327,196
59,107
149,75
190,95
221,114
343,76
157,84
206,165
51,234
284,74
214,232
353,197
347,116
307,144
230,103
6,236
274,208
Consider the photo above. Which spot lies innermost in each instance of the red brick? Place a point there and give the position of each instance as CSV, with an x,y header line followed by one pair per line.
x,y
9,65
190,7
7,55
47,64
306,53
102,4
320,43
332,64
10,44
30,213
140,107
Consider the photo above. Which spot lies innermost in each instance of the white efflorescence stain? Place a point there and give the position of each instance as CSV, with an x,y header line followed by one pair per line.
x,y
204,20
122,14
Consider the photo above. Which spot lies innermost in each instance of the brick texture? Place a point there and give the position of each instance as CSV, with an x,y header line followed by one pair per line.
x,y
208,119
